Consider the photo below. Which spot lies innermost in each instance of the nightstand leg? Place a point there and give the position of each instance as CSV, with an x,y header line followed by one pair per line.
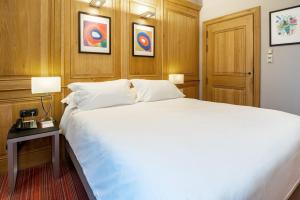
x,y
55,155
12,166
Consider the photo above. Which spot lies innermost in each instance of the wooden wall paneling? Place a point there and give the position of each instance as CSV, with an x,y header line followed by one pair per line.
x,y
190,89
57,68
144,67
24,43
124,57
181,39
187,4
84,66
38,151
43,41
30,46
5,122
149,2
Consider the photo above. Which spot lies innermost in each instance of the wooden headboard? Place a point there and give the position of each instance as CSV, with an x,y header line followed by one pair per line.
x,y
43,41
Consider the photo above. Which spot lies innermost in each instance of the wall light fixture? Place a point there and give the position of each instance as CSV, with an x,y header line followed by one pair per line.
x,y
147,14
97,3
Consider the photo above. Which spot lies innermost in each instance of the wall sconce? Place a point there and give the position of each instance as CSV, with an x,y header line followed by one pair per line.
x,y
97,3
177,79
147,14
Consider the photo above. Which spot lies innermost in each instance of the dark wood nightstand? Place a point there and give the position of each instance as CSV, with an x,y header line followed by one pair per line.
x,y
15,136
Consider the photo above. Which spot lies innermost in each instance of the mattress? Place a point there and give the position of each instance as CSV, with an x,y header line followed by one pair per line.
x,y
186,149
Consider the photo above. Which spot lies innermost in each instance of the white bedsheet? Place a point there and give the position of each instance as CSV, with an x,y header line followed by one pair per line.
x,y
186,149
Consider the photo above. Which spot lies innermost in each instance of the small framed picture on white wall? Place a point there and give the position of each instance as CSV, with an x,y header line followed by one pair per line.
x,y
285,26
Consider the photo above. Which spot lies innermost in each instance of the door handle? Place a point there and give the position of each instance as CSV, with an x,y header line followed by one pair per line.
x,y
249,73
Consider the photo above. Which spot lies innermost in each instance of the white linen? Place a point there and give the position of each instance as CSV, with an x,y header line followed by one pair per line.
x,y
94,95
77,86
106,97
68,99
186,149
155,90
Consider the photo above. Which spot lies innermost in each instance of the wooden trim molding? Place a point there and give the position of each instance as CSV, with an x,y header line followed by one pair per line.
x,y
256,12
188,4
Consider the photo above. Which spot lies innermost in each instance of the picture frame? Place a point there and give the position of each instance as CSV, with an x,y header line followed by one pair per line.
x,y
285,26
94,32
143,40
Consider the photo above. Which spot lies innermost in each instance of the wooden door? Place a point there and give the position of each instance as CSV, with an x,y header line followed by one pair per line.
x,y
230,60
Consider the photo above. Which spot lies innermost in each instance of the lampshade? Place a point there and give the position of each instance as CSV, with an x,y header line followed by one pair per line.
x,y
176,78
45,85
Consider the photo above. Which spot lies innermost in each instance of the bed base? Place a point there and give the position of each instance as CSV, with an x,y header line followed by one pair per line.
x,y
79,171
294,194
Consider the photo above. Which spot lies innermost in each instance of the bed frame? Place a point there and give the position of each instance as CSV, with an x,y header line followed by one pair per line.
x,y
79,171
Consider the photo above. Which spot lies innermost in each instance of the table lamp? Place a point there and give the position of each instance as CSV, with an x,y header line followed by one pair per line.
x,y
45,86
177,79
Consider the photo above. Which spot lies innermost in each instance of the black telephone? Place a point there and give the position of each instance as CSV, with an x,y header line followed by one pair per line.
x,y
25,125
31,123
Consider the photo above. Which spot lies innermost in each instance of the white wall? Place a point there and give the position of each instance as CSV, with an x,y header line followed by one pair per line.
x,y
280,81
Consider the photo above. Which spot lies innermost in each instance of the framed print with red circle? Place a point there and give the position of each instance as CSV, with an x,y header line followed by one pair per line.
x,y
94,34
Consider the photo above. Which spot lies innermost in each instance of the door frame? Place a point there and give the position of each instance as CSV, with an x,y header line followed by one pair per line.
x,y
256,13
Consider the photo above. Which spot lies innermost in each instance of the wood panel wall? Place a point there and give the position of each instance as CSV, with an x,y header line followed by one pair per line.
x,y
181,40
40,38
90,67
143,67
29,31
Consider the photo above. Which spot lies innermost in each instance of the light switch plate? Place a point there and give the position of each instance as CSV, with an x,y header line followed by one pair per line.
x,y
270,51
270,59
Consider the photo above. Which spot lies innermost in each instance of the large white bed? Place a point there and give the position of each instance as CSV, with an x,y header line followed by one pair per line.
x,y
185,149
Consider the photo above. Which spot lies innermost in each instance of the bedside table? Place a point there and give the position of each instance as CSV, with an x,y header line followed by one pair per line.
x,y
15,136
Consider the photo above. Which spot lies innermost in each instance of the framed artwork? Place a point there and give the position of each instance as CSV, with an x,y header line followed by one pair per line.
x,y
94,34
285,26
143,37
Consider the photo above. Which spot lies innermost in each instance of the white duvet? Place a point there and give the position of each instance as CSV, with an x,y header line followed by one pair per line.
x,y
186,149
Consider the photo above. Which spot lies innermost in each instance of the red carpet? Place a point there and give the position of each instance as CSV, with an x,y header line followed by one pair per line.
x,y
39,184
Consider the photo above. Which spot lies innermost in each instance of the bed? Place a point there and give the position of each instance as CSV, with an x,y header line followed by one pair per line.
x,y
184,149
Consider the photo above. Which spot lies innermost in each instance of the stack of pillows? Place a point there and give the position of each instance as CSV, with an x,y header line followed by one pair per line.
x,y
94,95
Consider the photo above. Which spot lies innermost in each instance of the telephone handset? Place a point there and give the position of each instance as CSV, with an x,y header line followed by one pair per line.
x,y
25,125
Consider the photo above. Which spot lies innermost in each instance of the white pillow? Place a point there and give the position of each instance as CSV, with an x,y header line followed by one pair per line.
x,y
155,90
68,99
133,92
103,96
95,85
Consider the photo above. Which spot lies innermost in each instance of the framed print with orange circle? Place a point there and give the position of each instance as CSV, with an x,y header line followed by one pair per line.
x,y
94,34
